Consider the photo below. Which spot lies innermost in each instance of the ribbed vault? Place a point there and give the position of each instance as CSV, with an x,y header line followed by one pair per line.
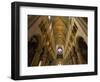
x,y
52,40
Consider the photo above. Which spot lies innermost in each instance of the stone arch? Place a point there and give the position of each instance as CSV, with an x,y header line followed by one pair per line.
x,y
82,48
33,46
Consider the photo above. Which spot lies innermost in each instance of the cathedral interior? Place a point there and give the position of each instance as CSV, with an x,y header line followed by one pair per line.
x,y
57,40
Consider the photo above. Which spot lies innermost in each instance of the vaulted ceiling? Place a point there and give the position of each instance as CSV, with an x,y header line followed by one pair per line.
x,y
52,32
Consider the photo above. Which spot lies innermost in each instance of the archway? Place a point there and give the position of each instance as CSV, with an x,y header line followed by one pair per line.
x,y
82,49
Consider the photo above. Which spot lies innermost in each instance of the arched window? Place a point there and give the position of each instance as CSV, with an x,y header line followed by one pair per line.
x,y
59,52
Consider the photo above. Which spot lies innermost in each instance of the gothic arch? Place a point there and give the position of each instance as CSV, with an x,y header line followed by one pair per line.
x,y
82,48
